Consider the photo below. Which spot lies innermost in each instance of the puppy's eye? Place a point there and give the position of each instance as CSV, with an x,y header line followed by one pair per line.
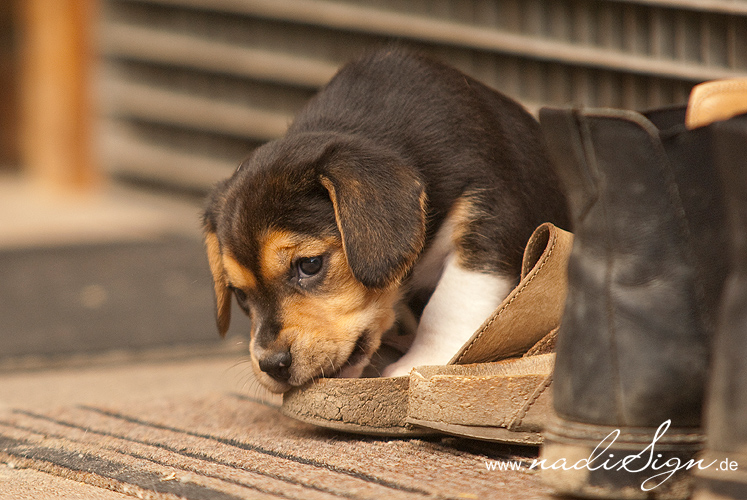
x,y
309,266
240,294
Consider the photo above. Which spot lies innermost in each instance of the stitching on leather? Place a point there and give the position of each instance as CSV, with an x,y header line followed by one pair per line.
x,y
521,290
533,399
541,345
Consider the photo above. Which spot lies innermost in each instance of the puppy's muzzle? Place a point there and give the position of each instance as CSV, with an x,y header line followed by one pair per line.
x,y
277,365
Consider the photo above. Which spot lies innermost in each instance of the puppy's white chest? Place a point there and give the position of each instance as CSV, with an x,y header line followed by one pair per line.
x,y
429,268
460,303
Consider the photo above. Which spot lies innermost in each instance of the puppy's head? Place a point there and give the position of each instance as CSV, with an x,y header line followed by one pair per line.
x,y
313,235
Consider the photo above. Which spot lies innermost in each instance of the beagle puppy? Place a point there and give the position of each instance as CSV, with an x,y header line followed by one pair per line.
x,y
403,182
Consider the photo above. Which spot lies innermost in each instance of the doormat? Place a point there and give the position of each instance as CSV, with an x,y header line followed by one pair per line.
x,y
228,447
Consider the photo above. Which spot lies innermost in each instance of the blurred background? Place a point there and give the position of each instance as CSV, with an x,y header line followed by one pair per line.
x,y
116,117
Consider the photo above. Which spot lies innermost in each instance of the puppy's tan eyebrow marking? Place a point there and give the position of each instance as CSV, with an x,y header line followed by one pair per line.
x,y
277,250
238,275
280,247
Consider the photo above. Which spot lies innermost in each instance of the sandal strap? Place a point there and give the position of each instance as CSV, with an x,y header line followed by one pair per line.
x,y
532,309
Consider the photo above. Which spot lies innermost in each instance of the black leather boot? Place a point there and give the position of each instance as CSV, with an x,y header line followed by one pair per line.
x,y
645,276
726,413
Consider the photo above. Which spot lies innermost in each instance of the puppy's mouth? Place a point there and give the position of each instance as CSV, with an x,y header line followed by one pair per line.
x,y
358,356
360,351
350,368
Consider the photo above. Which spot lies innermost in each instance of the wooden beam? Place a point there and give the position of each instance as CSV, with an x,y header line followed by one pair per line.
x,y
56,92
9,85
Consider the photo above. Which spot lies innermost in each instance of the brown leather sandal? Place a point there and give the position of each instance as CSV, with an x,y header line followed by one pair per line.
x,y
407,406
508,400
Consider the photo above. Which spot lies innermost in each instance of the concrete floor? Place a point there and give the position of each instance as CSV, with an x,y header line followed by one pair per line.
x,y
115,270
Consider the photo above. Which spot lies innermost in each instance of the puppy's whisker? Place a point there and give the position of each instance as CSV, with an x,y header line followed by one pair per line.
x,y
331,364
240,363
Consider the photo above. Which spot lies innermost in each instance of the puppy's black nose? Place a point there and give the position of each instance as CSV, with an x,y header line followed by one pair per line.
x,y
277,365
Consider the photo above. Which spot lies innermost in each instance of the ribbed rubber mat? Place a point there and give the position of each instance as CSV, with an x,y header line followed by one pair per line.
x,y
230,447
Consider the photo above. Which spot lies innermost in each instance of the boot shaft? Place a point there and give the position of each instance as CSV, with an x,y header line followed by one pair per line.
x,y
727,408
730,142
646,269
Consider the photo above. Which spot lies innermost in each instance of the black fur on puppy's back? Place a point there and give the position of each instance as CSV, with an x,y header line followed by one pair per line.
x,y
460,135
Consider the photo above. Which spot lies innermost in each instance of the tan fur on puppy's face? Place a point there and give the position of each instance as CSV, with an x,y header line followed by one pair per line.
x,y
359,206
320,324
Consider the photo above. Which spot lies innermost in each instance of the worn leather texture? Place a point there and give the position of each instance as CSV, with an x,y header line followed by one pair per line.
x,y
646,268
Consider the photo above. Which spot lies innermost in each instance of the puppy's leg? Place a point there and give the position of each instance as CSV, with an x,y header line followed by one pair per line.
x,y
461,302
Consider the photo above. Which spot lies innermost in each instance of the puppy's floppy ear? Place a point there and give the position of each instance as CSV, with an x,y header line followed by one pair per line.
x,y
220,282
379,205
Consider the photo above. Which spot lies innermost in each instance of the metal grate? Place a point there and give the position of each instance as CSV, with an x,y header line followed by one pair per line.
x,y
189,87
